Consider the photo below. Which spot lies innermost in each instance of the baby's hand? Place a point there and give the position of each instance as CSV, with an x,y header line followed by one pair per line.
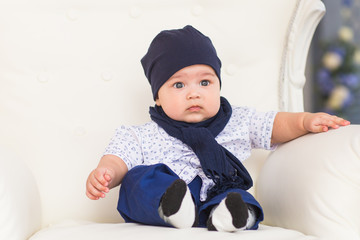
x,y
321,122
98,182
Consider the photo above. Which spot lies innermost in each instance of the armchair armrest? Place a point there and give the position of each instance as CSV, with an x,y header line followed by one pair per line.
x,y
20,214
312,184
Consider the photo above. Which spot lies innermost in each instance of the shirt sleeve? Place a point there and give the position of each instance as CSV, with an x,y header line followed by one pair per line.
x,y
260,129
126,144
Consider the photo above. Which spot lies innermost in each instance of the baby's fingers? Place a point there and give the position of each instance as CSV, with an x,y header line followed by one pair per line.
x,y
93,193
335,122
102,177
329,121
319,128
100,183
107,176
340,121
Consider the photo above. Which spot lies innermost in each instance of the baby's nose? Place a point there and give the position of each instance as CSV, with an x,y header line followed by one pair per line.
x,y
193,93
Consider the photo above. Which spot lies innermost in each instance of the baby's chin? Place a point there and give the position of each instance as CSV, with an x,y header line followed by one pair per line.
x,y
195,119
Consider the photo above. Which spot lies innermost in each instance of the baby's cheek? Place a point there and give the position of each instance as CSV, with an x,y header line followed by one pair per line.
x,y
172,111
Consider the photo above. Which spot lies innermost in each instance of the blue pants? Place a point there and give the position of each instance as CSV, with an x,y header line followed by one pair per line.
x,y
143,187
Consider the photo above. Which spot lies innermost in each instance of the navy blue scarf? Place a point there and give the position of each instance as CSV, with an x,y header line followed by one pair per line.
x,y
217,162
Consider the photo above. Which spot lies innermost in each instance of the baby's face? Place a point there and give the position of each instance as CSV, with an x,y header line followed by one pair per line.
x,y
191,95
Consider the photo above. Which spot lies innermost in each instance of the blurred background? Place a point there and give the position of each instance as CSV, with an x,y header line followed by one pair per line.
x,y
333,74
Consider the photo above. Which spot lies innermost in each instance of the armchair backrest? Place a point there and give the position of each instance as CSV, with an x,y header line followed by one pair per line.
x,y
70,74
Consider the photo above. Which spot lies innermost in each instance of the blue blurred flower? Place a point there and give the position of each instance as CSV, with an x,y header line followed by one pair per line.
x,y
350,80
341,51
349,100
347,3
324,81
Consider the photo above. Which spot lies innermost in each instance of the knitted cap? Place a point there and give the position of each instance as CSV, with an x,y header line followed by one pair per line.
x,y
172,50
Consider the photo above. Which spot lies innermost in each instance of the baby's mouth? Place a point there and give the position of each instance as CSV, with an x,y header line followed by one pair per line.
x,y
194,108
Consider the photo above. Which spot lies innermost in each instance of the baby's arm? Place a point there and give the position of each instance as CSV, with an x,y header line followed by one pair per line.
x,y
108,174
288,126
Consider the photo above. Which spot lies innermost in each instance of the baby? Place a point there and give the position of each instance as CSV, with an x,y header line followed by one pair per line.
x,y
183,169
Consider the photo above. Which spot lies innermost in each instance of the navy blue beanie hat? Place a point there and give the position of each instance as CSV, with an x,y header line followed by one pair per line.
x,y
172,50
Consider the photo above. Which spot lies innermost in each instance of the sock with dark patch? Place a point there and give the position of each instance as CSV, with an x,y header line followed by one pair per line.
x,y
177,206
230,215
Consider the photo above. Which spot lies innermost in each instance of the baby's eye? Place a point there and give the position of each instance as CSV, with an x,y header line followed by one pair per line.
x,y
178,85
205,83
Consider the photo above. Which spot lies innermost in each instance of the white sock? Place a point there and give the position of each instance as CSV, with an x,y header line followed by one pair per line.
x,y
185,216
221,218
251,219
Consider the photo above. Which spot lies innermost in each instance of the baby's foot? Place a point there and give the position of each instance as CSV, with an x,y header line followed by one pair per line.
x,y
177,206
230,215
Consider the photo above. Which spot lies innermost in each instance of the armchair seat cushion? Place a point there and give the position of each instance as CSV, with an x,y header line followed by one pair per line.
x,y
74,230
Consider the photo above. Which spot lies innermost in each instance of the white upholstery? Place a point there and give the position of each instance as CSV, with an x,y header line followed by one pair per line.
x,y
70,74
316,180
19,198
95,231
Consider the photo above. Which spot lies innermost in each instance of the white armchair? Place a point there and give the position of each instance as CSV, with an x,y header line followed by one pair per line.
x,y
70,74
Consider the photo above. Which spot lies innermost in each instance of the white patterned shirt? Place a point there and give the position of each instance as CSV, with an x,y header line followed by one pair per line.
x,y
149,144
